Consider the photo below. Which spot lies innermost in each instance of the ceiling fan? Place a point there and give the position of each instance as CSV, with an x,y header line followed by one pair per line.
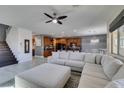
x,y
54,18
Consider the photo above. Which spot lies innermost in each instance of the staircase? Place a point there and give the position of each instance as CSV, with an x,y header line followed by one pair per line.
x,y
6,55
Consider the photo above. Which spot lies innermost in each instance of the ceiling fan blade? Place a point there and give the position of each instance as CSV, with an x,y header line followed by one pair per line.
x,y
61,17
48,15
48,21
59,22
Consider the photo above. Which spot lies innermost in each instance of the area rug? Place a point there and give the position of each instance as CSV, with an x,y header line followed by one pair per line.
x,y
73,80
71,83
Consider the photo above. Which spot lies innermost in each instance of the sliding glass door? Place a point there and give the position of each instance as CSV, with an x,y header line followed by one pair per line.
x,y
118,41
121,40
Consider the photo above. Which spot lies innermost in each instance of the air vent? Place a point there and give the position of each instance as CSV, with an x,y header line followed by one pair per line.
x,y
75,6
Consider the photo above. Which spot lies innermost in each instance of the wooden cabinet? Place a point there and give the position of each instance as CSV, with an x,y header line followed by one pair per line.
x,y
48,41
67,42
48,46
60,43
47,53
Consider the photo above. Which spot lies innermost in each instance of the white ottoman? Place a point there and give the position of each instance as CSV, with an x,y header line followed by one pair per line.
x,y
44,76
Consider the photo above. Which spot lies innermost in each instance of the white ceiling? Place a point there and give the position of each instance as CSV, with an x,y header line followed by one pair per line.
x,y
81,20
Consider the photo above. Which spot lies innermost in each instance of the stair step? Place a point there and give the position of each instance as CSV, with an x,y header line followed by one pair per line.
x,y
4,48
6,58
2,41
5,52
8,63
3,44
6,55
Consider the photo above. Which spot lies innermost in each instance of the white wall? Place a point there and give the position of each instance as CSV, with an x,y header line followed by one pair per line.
x,y
15,39
24,34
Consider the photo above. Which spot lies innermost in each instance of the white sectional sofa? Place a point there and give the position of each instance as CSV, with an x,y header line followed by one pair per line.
x,y
98,71
72,59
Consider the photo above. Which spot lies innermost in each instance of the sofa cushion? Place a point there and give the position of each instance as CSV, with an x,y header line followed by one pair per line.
x,y
90,58
63,55
55,55
87,81
58,61
98,59
50,59
96,74
115,84
119,74
78,64
93,67
77,56
111,67
105,59
94,70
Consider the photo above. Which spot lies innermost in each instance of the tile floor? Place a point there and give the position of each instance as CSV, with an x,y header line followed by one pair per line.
x,y
7,73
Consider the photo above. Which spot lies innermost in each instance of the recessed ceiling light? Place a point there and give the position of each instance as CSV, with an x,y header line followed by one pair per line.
x,y
74,30
75,5
92,31
52,33
63,32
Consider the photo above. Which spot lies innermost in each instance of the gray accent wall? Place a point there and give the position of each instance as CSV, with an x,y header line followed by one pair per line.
x,y
87,46
3,32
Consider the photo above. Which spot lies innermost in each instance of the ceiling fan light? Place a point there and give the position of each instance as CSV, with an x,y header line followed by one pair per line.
x,y
54,21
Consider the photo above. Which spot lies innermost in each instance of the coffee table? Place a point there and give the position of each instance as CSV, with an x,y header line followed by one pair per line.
x,y
44,76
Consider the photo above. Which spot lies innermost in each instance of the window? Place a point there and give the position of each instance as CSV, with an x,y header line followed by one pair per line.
x,y
115,42
118,41
121,39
